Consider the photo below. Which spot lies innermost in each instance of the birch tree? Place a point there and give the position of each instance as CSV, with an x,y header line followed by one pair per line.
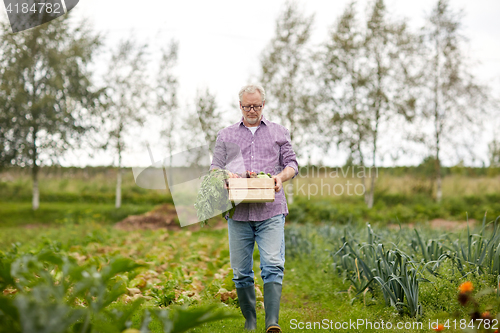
x,y
285,72
454,102
209,115
203,123
286,75
494,153
127,88
389,47
344,87
167,104
369,82
49,101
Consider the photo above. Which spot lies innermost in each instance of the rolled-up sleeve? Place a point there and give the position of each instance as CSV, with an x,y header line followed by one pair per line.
x,y
288,155
219,157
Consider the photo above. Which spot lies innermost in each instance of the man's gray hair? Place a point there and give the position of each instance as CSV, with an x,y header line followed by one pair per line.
x,y
251,88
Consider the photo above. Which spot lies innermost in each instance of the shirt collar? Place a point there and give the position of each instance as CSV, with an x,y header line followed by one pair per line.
x,y
263,120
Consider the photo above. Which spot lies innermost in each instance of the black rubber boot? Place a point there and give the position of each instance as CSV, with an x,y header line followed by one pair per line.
x,y
272,297
246,297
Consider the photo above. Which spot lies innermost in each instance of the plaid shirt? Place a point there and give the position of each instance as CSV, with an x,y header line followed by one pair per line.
x,y
269,149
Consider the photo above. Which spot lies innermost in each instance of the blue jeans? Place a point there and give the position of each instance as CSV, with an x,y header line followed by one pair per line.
x,y
270,237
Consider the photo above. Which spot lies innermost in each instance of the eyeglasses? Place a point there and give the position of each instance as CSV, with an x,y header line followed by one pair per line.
x,y
247,108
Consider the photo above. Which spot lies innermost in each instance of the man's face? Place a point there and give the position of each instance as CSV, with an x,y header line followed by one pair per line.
x,y
252,117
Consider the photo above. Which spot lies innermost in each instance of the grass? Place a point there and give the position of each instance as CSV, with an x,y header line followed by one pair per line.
x,y
404,184
392,209
77,212
17,214
399,197
15,184
72,185
312,289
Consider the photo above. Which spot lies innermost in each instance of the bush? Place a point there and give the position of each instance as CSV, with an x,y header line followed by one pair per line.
x,y
13,214
392,208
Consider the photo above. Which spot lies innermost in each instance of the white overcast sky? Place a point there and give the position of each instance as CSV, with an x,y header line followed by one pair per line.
x,y
220,41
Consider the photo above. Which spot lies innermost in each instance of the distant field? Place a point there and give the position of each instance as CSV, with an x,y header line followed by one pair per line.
x,y
20,213
454,185
102,181
402,195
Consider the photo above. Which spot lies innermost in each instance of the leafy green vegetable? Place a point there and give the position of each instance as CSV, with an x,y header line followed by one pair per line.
x,y
48,284
213,196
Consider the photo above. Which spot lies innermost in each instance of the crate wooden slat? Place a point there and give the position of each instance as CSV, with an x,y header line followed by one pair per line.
x,y
251,183
251,189
252,195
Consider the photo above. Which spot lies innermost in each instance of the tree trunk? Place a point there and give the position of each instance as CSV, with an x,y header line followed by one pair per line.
x,y
118,201
378,105
170,173
36,194
363,179
437,122
35,204
439,193
372,187
373,167
118,195
363,182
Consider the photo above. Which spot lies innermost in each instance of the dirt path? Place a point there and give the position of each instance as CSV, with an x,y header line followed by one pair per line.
x,y
163,217
440,224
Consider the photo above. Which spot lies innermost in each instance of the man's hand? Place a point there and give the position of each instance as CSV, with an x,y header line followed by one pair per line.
x,y
225,180
231,175
283,176
278,184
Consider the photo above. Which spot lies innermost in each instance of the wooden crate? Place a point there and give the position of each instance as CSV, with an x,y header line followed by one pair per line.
x,y
251,189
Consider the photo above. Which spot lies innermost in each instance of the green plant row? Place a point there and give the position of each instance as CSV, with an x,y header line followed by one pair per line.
x,y
395,263
397,275
47,291
10,195
391,208
426,169
18,214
